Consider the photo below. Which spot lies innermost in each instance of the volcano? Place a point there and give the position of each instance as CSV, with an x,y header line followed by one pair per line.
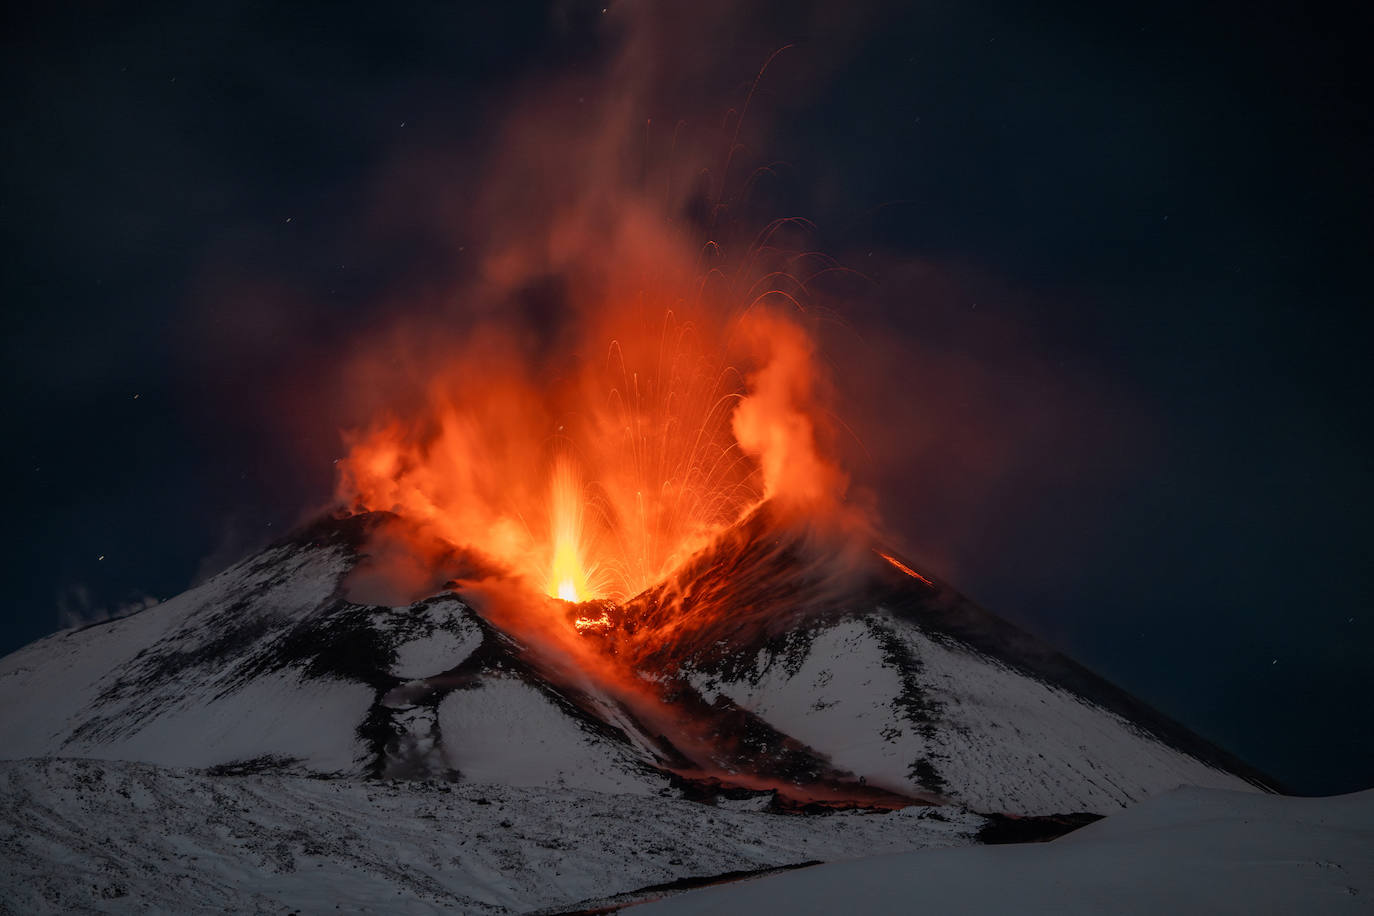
x,y
284,735
891,691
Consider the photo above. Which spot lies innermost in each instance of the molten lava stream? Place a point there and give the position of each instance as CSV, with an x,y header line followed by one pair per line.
x,y
705,744
619,661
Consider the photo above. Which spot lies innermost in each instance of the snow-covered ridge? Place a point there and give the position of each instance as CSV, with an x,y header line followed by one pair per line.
x,y
915,712
268,662
85,836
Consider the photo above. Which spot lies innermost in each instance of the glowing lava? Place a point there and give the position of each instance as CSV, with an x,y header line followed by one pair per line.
x,y
593,623
567,572
906,569
618,425
614,388
599,483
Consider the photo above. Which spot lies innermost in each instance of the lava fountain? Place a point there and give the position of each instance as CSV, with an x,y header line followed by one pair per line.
x,y
631,426
597,477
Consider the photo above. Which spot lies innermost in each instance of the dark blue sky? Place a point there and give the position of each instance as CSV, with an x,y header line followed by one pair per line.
x,y
1119,261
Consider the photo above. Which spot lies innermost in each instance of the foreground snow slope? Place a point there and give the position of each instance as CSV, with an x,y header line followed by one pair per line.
x,y
1190,851
84,836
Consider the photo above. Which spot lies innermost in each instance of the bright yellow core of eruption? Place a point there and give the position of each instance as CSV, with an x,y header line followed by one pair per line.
x,y
567,573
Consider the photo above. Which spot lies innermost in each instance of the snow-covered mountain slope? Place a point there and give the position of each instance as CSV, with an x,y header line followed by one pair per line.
x,y
267,664
897,677
1191,851
188,681
916,713
85,836
891,690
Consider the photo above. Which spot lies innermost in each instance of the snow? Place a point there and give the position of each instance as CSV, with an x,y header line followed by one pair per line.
x,y
269,660
428,655
310,723
839,701
206,755
83,682
1190,851
510,732
82,836
1019,746
998,739
431,637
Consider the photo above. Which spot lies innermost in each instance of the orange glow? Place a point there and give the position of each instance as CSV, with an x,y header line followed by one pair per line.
x,y
568,573
598,483
906,569
593,623
613,435
626,368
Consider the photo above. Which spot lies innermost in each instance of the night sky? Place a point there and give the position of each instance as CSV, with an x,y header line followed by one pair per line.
x,y
1118,292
